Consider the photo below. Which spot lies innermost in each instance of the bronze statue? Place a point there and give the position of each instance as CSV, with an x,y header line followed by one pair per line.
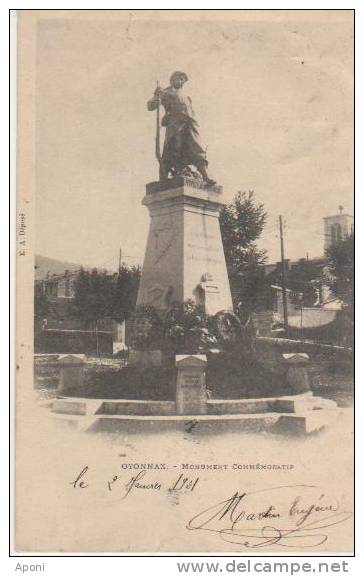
x,y
182,146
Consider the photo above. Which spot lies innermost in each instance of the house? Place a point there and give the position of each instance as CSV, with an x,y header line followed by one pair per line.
x,y
59,292
59,329
58,286
324,307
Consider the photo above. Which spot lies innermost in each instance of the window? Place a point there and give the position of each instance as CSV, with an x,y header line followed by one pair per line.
x,y
336,233
67,288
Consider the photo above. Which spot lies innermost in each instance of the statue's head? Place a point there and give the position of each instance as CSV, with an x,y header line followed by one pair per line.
x,y
178,79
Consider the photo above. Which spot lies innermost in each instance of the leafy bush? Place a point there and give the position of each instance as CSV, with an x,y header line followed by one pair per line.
x,y
147,329
130,382
238,373
183,328
186,329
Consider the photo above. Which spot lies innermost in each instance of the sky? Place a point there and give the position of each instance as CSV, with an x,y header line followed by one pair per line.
x,y
273,97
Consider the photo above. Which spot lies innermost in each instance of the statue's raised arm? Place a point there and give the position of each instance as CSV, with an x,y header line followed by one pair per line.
x,y
182,146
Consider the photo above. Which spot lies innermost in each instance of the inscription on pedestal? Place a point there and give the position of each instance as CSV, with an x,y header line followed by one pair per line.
x,y
191,395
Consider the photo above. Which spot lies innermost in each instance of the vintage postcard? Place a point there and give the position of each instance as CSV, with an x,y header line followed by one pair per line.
x,y
184,282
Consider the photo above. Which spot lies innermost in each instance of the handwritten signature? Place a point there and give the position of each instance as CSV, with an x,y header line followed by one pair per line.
x,y
251,520
293,516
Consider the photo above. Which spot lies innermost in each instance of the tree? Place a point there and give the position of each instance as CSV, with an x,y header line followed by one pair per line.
x,y
92,294
341,270
125,292
242,222
41,303
81,291
99,294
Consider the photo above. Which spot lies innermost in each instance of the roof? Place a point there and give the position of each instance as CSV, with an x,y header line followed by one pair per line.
x,y
337,215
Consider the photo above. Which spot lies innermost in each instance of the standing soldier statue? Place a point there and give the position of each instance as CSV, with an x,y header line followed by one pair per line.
x,y
182,146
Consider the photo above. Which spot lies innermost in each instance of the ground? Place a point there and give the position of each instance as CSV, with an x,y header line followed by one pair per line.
x,y
56,512
54,515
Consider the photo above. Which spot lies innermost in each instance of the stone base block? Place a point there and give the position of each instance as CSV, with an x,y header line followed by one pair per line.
x,y
137,407
251,406
307,423
303,403
191,396
198,424
286,416
69,407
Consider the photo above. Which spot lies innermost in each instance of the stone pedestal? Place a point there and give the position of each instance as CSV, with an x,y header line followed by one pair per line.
x,y
191,397
71,371
297,374
184,257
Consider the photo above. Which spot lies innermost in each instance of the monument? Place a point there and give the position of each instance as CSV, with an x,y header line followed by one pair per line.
x,y
184,258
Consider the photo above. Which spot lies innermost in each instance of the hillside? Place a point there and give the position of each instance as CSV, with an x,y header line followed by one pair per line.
x,y
43,265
